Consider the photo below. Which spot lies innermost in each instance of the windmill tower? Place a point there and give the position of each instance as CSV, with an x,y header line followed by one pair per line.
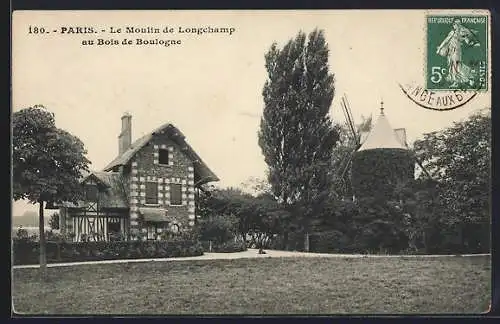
x,y
379,159
383,162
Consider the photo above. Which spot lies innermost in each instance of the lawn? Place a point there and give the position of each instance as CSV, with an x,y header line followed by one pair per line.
x,y
260,286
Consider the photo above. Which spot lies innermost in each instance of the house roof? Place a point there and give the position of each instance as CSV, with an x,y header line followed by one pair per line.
x,y
202,174
382,136
112,193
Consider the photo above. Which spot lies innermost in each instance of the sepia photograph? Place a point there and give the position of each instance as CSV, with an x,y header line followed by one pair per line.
x,y
251,162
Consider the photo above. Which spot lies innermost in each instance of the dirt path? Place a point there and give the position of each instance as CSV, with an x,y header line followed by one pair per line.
x,y
250,253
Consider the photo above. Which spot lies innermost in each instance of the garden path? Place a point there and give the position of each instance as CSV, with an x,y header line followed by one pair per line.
x,y
250,253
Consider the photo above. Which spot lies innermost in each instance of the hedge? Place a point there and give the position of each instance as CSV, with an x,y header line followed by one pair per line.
x,y
328,242
226,247
27,251
295,242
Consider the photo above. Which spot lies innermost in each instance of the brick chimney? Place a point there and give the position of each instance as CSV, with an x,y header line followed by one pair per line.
x,y
125,137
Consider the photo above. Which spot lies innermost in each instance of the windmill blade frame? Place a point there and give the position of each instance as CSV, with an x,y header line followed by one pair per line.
x,y
419,163
354,140
347,123
347,164
424,169
350,120
349,111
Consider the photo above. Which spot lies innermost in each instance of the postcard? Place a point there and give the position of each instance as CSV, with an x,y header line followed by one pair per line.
x,y
251,162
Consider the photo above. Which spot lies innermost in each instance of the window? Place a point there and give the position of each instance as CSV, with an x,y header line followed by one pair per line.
x,y
91,193
163,156
151,193
175,194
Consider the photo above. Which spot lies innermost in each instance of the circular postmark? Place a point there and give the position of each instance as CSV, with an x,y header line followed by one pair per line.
x,y
437,100
456,62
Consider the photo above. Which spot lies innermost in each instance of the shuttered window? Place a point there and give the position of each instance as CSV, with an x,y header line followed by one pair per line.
x,y
175,194
151,193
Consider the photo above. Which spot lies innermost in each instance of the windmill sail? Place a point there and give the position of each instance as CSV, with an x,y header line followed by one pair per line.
x,y
346,165
401,135
424,169
349,119
353,141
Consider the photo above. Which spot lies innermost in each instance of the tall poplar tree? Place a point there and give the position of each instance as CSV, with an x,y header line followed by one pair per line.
x,y
296,133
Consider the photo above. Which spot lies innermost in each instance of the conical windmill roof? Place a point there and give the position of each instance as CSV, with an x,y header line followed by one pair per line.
x,y
382,136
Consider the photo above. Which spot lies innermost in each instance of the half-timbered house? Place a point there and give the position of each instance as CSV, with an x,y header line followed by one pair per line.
x,y
149,188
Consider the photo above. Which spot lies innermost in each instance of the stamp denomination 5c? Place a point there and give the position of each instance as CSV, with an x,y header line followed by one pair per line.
x,y
457,52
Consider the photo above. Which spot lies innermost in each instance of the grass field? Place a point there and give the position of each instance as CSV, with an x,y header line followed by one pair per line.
x,y
260,286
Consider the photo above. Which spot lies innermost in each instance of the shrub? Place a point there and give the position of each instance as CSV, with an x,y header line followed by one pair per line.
x,y
117,237
295,241
22,234
226,247
328,242
27,251
219,229
381,236
54,221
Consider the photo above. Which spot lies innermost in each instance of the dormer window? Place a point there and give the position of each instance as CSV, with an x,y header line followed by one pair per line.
x,y
163,156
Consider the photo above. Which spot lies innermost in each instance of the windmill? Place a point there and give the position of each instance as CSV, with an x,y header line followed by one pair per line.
x,y
364,138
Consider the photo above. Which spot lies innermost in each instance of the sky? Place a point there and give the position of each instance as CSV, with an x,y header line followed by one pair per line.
x,y
210,86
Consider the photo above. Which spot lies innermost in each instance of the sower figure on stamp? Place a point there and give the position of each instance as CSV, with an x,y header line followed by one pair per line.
x,y
451,47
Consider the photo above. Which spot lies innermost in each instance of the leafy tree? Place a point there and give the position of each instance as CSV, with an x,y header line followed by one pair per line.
x,y
247,209
47,163
242,206
54,221
337,215
377,225
459,159
269,221
218,228
257,186
232,202
257,217
296,133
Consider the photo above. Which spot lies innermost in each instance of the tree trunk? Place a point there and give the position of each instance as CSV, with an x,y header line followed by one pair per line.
x,y
285,240
306,242
43,253
424,240
286,228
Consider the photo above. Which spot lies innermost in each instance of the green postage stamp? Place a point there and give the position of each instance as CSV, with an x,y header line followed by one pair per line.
x,y
457,52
